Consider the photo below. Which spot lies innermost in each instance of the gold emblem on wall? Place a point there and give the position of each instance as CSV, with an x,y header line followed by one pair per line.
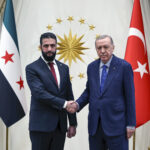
x,y
75,38
70,48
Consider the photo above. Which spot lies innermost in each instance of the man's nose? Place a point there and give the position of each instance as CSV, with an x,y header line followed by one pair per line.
x,y
103,50
49,48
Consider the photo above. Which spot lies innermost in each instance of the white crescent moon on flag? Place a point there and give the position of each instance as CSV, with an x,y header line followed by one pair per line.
x,y
138,33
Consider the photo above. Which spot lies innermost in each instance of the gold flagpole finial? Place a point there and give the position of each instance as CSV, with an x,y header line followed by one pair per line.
x,y
2,6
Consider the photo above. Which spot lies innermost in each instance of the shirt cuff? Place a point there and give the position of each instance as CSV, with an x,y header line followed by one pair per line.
x,y
131,127
77,105
65,104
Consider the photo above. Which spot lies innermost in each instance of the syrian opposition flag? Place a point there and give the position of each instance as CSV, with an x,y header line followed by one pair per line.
x,y
12,97
136,55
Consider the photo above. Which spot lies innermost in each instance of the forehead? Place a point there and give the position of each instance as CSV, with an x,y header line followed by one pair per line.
x,y
48,41
103,41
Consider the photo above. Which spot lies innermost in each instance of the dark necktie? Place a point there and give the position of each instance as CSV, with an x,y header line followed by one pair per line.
x,y
53,71
103,77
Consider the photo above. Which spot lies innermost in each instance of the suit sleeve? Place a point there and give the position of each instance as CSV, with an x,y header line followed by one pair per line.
x,y
129,96
72,117
83,100
39,92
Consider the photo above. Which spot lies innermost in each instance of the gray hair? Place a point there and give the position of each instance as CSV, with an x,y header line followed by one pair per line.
x,y
103,37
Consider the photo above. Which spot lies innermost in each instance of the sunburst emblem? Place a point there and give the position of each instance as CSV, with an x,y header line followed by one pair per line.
x,y
70,48
73,47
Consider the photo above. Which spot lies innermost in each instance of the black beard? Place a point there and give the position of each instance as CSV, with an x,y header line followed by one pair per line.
x,y
49,58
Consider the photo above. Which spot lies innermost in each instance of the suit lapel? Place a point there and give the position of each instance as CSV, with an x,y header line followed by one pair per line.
x,y
61,72
47,71
111,74
97,75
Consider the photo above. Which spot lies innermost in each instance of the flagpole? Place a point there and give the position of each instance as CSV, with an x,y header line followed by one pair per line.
x,y
7,138
2,6
134,138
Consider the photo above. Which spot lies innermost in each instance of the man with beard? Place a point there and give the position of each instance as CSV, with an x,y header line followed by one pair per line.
x,y
51,91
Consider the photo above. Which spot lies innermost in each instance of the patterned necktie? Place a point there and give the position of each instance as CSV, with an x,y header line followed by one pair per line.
x,y
103,77
51,64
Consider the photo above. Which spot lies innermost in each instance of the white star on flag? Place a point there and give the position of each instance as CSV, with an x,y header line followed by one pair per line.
x,y
141,69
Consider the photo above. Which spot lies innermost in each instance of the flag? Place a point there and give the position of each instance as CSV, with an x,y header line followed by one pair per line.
x,y
136,55
12,97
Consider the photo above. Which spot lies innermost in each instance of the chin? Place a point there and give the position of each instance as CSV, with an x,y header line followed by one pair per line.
x,y
104,60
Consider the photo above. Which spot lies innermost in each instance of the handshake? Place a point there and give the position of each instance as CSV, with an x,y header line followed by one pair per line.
x,y
72,106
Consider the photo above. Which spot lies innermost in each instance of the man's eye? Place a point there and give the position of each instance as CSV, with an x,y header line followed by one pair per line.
x,y
53,45
46,46
99,48
106,47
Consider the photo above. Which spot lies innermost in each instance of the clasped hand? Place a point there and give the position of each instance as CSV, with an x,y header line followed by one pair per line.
x,y
72,106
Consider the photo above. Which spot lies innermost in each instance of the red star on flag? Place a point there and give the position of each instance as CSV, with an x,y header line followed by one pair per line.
x,y
20,83
8,57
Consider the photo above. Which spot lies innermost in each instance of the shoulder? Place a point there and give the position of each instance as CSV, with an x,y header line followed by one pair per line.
x,y
94,63
123,65
61,64
34,63
121,62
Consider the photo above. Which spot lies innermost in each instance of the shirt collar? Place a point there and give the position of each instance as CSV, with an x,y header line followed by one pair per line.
x,y
107,64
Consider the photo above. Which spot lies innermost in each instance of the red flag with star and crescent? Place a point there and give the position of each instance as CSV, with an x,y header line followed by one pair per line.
x,y
136,55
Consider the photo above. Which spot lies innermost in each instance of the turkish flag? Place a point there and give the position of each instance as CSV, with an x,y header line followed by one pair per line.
x,y
136,55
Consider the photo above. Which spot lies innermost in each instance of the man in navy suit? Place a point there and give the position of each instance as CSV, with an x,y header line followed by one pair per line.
x,y
51,91
111,98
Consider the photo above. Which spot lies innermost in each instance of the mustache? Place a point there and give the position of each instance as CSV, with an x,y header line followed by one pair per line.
x,y
103,55
49,52
47,57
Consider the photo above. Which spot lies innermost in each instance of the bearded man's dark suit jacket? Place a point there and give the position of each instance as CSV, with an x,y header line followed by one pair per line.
x,y
47,100
115,106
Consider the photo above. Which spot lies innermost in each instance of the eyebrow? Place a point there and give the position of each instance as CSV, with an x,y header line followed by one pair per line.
x,y
49,44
